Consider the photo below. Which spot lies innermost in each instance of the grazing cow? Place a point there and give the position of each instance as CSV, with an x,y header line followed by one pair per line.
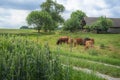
x,y
85,39
71,41
89,43
63,39
78,41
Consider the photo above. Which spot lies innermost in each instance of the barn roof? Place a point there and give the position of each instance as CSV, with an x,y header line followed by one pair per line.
x,y
91,20
116,22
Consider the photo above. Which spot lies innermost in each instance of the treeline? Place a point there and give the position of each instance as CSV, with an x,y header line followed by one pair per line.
x,y
49,18
25,27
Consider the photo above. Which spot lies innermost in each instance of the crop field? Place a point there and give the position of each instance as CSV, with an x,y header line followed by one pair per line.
x,y
28,55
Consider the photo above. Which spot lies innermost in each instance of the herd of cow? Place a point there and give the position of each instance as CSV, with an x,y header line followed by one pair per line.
x,y
87,42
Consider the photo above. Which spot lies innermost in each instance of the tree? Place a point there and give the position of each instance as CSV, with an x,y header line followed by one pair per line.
x,y
75,22
24,27
40,19
71,24
79,15
102,24
54,9
87,28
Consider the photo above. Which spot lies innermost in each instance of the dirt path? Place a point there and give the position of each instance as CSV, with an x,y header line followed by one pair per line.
x,y
96,73
106,64
107,77
103,63
100,63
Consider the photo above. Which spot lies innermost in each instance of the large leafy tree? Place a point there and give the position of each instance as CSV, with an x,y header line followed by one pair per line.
x,y
71,24
79,15
75,22
102,24
40,19
54,9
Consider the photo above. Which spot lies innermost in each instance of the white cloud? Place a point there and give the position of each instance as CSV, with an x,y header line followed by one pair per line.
x,y
94,8
14,18
15,15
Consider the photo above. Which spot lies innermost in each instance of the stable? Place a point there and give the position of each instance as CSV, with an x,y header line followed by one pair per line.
x,y
116,26
113,29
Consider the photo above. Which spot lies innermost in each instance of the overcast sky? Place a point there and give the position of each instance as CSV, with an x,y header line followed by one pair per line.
x,y
13,12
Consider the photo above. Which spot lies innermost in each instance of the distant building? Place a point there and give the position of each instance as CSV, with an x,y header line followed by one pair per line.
x,y
113,29
116,26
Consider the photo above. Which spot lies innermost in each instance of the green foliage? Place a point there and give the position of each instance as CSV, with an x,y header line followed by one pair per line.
x,y
54,9
88,28
24,27
102,46
108,55
102,23
40,19
75,22
71,24
21,59
78,14
93,52
48,18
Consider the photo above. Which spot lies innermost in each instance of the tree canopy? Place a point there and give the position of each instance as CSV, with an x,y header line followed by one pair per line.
x,y
24,27
48,18
75,22
78,14
40,19
71,24
54,9
102,23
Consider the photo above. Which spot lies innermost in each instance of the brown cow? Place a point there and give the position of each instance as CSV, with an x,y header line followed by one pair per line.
x,y
71,41
63,39
78,41
87,39
89,43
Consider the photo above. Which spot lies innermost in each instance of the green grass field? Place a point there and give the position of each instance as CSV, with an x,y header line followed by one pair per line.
x,y
106,51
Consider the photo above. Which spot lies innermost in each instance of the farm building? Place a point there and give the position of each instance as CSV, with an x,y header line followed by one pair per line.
x,y
113,29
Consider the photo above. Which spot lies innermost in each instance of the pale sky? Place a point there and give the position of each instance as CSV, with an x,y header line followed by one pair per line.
x,y
13,12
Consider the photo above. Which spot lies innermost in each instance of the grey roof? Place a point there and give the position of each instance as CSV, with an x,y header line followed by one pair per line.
x,y
91,20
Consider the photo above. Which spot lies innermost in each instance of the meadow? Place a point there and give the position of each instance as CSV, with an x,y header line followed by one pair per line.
x,y
28,55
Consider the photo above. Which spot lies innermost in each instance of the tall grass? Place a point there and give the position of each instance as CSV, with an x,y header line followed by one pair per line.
x,y
22,59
